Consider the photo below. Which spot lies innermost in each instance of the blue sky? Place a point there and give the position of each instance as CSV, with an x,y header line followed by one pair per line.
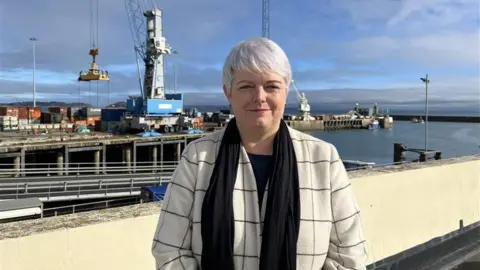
x,y
341,50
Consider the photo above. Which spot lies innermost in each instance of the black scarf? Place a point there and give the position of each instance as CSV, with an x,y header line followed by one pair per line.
x,y
282,215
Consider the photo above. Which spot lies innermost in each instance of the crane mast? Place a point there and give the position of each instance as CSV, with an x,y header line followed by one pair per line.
x,y
303,105
150,47
266,18
155,109
156,48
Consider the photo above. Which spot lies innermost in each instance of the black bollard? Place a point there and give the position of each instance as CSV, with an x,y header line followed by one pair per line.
x,y
398,153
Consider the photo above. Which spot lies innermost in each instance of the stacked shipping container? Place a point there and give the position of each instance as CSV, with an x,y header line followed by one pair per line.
x,y
92,115
111,118
24,115
33,117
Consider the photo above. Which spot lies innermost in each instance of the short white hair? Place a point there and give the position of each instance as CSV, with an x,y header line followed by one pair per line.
x,y
256,55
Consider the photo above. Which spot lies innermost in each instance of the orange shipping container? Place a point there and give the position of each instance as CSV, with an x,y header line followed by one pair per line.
x,y
9,111
80,122
93,118
34,112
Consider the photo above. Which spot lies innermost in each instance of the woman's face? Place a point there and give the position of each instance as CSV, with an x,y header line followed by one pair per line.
x,y
257,100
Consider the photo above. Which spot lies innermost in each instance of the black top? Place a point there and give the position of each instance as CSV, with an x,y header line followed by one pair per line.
x,y
262,167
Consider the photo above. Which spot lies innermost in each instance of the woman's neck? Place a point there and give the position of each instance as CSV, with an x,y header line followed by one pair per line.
x,y
260,143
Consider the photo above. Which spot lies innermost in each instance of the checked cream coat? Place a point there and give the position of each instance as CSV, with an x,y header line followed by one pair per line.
x,y
331,234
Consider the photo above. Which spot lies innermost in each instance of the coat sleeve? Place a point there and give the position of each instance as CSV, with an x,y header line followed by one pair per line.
x,y
347,249
172,241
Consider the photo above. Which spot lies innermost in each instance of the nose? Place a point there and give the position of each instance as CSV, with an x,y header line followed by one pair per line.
x,y
259,95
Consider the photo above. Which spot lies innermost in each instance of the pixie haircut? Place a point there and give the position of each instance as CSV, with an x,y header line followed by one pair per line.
x,y
256,55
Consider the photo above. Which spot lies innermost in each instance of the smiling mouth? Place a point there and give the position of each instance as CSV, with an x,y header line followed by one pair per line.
x,y
259,110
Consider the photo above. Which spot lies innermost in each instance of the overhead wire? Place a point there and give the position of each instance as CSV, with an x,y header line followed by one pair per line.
x,y
97,22
92,42
97,94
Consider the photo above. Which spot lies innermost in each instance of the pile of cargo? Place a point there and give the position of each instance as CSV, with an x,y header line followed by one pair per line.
x,y
47,119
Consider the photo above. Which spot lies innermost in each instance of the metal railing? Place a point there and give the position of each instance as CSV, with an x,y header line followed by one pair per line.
x,y
49,189
117,181
49,169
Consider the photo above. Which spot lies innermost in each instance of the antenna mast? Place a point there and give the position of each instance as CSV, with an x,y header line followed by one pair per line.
x,y
266,18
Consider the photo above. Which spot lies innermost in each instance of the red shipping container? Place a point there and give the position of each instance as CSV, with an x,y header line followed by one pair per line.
x,y
22,113
9,111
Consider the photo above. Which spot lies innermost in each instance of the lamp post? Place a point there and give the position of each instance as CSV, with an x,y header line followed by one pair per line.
x,y
33,39
175,89
426,81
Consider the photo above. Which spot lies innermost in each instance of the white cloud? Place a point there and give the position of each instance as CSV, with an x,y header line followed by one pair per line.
x,y
353,44
41,76
434,12
439,49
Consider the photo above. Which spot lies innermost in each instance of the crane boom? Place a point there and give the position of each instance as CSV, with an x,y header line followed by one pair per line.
x,y
137,25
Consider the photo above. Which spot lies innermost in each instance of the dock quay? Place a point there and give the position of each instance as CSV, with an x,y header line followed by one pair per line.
x,y
439,118
341,123
56,154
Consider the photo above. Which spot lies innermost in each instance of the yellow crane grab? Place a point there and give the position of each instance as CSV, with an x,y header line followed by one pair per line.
x,y
94,73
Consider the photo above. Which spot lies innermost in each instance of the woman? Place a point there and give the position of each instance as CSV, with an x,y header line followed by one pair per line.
x,y
259,195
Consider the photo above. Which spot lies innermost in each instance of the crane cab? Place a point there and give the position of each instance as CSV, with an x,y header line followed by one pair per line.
x,y
93,73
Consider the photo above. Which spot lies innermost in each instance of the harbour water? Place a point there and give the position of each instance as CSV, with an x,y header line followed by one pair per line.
x,y
452,139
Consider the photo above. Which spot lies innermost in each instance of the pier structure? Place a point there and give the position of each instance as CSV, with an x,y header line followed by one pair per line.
x,y
440,118
336,124
63,155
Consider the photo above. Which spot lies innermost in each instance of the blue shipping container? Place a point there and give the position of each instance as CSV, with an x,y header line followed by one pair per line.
x,y
112,114
134,105
163,106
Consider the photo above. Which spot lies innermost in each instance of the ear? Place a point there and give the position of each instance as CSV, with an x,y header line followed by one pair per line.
x,y
228,93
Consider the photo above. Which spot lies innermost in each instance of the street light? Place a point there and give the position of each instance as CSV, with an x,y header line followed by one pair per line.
x,y
175,72
426,81
33,39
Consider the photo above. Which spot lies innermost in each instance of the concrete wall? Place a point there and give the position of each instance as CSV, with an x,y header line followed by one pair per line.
x,y
399,211
122,244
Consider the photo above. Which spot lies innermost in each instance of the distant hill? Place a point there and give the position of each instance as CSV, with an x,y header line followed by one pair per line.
x,y
49,103
120,104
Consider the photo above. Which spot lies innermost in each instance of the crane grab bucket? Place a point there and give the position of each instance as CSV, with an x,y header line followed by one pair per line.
x,y
94,73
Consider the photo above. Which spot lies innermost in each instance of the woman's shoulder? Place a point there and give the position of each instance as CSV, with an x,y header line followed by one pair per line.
x,y
203,147
316,148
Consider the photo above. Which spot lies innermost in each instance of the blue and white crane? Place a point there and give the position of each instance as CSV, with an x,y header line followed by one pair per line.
x,y
154,109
